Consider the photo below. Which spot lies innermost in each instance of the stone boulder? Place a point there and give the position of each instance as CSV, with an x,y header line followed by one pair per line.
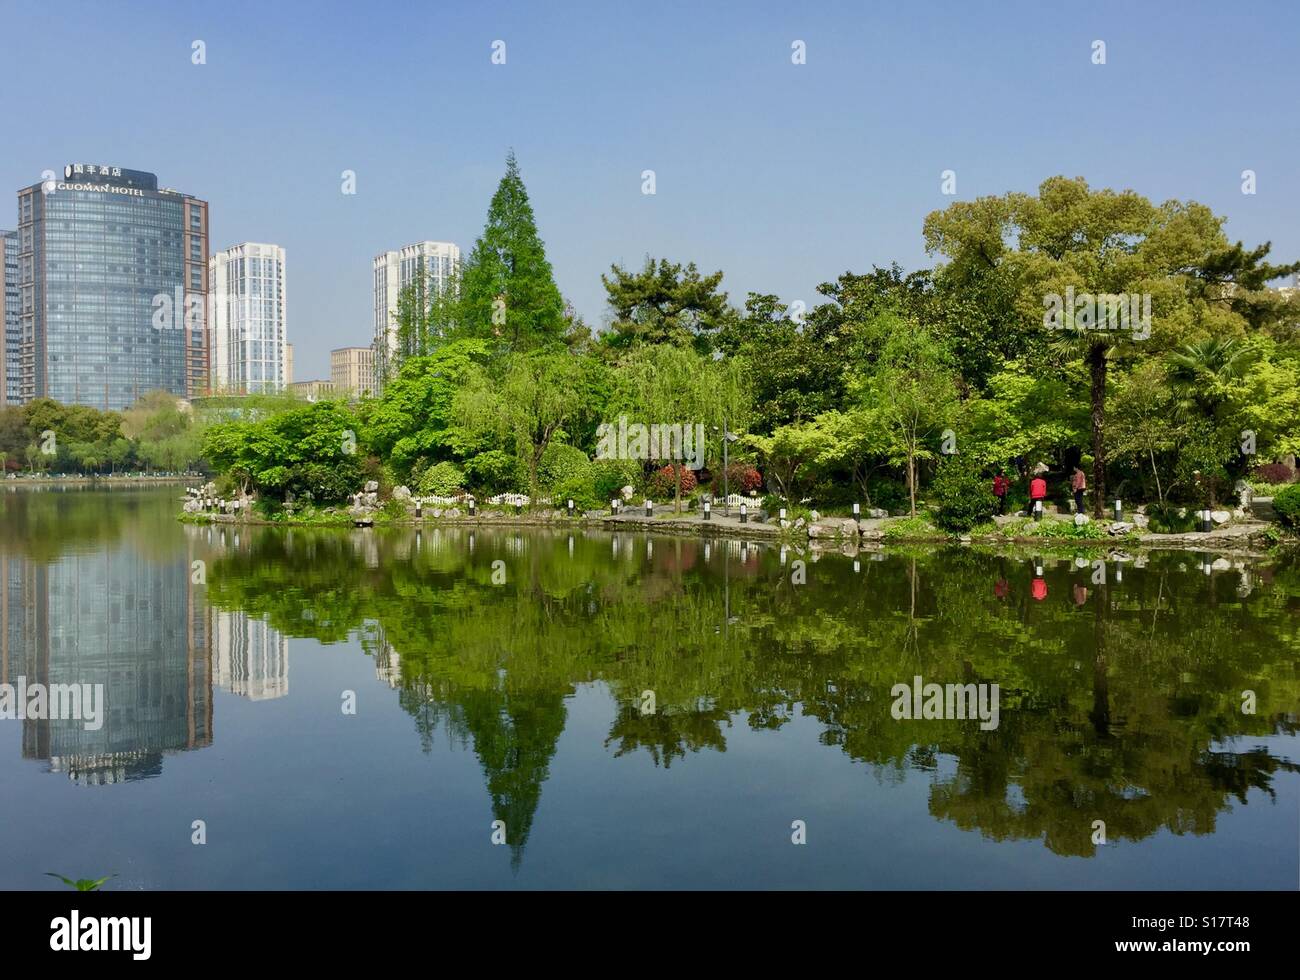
x,y
1081,519
1119,528
1220,516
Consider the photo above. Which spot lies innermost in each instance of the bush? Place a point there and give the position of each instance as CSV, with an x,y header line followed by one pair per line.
x,y
1165,519
961,496
562,464
1287,506
612,475
741,478
496,471
1273,473
663,483
326,484
444,479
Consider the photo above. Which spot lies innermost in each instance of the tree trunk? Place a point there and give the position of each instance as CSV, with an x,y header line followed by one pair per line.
x,y
911,480
1097,369
677,496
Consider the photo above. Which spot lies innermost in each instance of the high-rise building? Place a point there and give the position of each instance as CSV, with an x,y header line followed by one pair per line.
x,y
113,285
352,369
288,365
249,656
249,314
434,262
11,352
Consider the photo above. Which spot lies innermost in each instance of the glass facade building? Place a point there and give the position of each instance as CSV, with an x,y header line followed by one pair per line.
x,y
11,366
249,317
393,271
113,288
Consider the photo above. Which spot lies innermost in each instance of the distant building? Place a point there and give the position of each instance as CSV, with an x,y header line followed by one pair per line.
x,y
352,369
11,352
113,282
393,271
313,390
249,316
288,365
249,656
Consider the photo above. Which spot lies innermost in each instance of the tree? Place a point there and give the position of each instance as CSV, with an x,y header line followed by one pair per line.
x,y
664,303
1072,240
507,290
911,396
666,384
537,394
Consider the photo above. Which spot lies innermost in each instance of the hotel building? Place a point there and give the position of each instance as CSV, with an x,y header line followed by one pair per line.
x,y
113,286
11,352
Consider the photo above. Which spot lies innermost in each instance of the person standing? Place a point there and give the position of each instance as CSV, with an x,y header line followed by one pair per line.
x,y
1078,483
1000,487
1037,490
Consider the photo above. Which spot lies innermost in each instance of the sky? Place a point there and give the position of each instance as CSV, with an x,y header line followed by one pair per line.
x,y
782,175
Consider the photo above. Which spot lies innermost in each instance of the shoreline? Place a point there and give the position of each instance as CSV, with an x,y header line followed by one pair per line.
x,y
872,534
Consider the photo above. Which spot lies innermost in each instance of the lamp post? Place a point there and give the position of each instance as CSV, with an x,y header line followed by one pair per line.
x,y
727,437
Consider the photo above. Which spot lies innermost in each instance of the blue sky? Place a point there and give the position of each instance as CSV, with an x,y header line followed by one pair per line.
x,y
781,175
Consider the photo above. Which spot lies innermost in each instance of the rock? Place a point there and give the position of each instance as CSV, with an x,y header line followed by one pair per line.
x,y
401,493
849,528
1141,520
822,531
1221,564
875,513
436,512
372,486
814,516
451,512
1220,516
1119,527
784,524
800,523
964,539
1082,519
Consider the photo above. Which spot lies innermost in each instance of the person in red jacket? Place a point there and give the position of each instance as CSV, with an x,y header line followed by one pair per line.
x,y
1037,489
1000,487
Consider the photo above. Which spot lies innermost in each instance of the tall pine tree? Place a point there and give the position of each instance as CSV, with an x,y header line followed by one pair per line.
x,y
509,264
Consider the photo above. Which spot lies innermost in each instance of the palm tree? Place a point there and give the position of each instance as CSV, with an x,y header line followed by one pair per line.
x,y
1199,370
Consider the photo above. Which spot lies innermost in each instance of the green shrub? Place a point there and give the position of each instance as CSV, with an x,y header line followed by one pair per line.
x,y
444,479
1165,519
326,484
960,495
888,495
612,475
910,527
1287,505
496,471
562,464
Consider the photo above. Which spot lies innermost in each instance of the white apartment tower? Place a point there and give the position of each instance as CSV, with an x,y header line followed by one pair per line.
x,y
393,271
249,313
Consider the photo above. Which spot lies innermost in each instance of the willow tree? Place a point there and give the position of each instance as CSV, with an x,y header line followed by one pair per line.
x,y
663,384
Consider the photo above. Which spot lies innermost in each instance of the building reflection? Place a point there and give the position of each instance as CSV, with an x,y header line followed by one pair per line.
x,y
138,628
143,630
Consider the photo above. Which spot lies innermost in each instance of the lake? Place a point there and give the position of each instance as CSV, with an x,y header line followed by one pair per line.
x,y
529,708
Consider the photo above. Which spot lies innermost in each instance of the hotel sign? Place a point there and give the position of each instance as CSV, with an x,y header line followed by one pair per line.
x,y
90,170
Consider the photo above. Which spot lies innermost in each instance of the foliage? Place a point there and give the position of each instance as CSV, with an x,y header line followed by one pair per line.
x,y
1287,505
664,482
444,479
961,495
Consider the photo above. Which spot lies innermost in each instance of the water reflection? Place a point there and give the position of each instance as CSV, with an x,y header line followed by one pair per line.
x,y
1123,678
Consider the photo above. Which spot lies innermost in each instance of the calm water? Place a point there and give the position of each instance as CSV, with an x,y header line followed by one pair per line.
x,y
522,702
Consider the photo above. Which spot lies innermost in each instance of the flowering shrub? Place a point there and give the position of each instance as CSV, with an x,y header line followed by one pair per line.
x,y
741,478
664,481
